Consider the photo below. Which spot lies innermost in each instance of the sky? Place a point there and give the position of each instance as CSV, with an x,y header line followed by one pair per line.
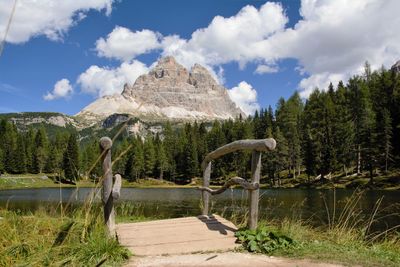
x,y
61,55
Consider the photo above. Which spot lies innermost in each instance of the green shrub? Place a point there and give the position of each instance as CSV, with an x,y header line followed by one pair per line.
x,y
262,240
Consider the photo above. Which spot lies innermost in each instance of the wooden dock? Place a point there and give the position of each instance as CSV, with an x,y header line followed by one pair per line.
x,y
178,236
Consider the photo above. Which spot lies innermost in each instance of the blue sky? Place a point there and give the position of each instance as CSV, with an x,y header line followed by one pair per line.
x,y
69,54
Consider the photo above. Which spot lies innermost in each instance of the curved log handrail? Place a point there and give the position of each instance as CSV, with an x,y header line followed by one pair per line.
x,y
249,144
229,183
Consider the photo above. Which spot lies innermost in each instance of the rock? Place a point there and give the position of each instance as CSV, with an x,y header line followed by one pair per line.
x,y
114,120
168,91
396,67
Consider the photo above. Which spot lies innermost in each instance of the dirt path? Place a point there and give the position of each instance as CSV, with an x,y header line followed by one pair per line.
x,y
226,259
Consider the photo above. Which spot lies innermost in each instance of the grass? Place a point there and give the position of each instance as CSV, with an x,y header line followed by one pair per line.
x,y
344,247
49,239
386,181
20,181
346,238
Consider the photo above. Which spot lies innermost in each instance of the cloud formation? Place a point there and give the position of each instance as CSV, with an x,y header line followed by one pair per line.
x,y
125,45
101,81
62,89
245,96
262,69
331,41
51,18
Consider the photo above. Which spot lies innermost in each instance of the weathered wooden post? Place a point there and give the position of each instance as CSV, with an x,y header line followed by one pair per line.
x,y
107,196
206,183
257,146
254,194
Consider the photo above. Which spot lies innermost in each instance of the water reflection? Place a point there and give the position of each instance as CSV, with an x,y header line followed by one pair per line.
x,y
179,202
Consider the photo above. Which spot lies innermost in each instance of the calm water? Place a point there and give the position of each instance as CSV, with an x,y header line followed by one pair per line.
x,y
178,202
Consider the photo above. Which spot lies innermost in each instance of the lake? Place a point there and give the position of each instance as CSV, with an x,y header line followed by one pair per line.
x,y
307,204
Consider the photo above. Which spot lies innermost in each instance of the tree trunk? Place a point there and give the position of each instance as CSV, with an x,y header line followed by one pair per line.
x,y
359,160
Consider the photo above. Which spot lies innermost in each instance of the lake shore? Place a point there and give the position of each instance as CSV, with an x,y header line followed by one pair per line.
x,y
68,240
384,182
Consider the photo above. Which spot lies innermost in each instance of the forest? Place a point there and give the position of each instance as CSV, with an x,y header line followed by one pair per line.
x,y
352,128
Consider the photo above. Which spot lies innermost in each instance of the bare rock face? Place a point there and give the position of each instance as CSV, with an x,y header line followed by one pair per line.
x,y
396,67
169,91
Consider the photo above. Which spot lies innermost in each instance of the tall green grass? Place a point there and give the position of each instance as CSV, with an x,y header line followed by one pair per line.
x,y
346,238
48,239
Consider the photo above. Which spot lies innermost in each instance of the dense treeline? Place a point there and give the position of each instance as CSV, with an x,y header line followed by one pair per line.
x,y
352,128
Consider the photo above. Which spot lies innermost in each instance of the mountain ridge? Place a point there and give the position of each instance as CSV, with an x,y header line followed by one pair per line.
x,y
168,92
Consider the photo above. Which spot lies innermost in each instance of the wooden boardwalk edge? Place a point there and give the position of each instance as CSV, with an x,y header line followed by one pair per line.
x,y
178,236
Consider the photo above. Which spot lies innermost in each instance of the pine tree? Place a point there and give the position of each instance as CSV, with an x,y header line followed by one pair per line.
x,y
385,138
40,152
149,157
54,162
343,129
192,159
1,161
71,159
288,116
134,168
20,155
29,139
170,150
309,154
281,157
9,135
202,142
120,155
162,160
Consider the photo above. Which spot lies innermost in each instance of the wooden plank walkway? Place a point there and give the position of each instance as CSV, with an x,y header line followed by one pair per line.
x,y
178,236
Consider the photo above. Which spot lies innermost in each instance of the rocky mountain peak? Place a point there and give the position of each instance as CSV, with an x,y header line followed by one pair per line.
x,y
170,91
200,77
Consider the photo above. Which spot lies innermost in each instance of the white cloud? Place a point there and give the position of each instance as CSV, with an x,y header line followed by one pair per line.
x,y
261,69
231,37
320,80
331,41
245,97
335,38
62,89
125,45
51,18
102,81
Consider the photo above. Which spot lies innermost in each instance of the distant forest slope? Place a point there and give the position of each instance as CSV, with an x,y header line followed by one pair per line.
x,y
353,128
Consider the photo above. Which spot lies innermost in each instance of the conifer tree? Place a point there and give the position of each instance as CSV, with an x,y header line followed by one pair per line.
x,y
1,161
149,157
54,162
29,138
170,150
9,146
71,159
192,159
40,152
162,160
309,154
281,157
134,168
20,155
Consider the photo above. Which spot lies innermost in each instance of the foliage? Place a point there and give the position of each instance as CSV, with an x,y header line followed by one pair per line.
x,y
350,128
48,239
263,240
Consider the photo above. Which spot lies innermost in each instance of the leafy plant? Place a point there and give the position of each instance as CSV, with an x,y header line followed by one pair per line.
x,y
262,240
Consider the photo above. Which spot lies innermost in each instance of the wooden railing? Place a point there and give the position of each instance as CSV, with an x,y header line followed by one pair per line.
x,y
111,188
257,146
